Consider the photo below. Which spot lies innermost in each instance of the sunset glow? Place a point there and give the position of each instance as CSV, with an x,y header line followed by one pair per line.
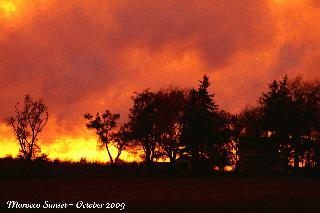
x,y
8,8
82,56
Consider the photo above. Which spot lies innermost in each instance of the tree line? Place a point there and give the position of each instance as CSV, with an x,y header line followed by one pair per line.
x,y
172,124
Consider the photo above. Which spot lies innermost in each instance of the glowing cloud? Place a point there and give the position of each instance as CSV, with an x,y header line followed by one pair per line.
x,y
83,56
8,8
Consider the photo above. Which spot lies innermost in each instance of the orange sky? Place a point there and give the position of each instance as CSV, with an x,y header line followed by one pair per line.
x,y
86,56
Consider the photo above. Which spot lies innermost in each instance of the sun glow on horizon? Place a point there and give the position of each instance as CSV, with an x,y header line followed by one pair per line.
x,y
49,38
8,8
64,148
74,149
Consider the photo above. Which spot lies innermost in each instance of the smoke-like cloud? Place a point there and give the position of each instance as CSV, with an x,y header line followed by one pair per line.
x,y
83,56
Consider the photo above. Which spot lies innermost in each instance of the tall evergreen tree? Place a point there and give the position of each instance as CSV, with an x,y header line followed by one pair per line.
x,y
276,106
200,121
288,114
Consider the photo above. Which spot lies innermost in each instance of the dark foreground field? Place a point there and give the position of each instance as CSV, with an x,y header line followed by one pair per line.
x,y
214,194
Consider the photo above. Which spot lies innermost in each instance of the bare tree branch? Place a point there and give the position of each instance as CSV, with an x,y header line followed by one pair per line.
x,y
27,124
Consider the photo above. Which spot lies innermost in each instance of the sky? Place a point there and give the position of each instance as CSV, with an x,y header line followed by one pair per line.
x,y
87,56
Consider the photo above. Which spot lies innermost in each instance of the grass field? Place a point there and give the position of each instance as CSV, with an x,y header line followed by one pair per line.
x,y
141,194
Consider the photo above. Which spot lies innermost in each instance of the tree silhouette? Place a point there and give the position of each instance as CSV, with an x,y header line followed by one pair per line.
x,y
246,124
314,116
250,121
191,125
142,121
27,123
290,116
276,105
201,122
121,139
305,113
103,124
220,147
278,119
155,123
170,106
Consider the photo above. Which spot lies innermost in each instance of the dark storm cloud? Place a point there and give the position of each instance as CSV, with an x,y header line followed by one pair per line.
x,y
80,55
216,29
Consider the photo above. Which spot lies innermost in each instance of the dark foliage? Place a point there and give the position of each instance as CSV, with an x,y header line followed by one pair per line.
x,y
103,124
27,123
187,128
